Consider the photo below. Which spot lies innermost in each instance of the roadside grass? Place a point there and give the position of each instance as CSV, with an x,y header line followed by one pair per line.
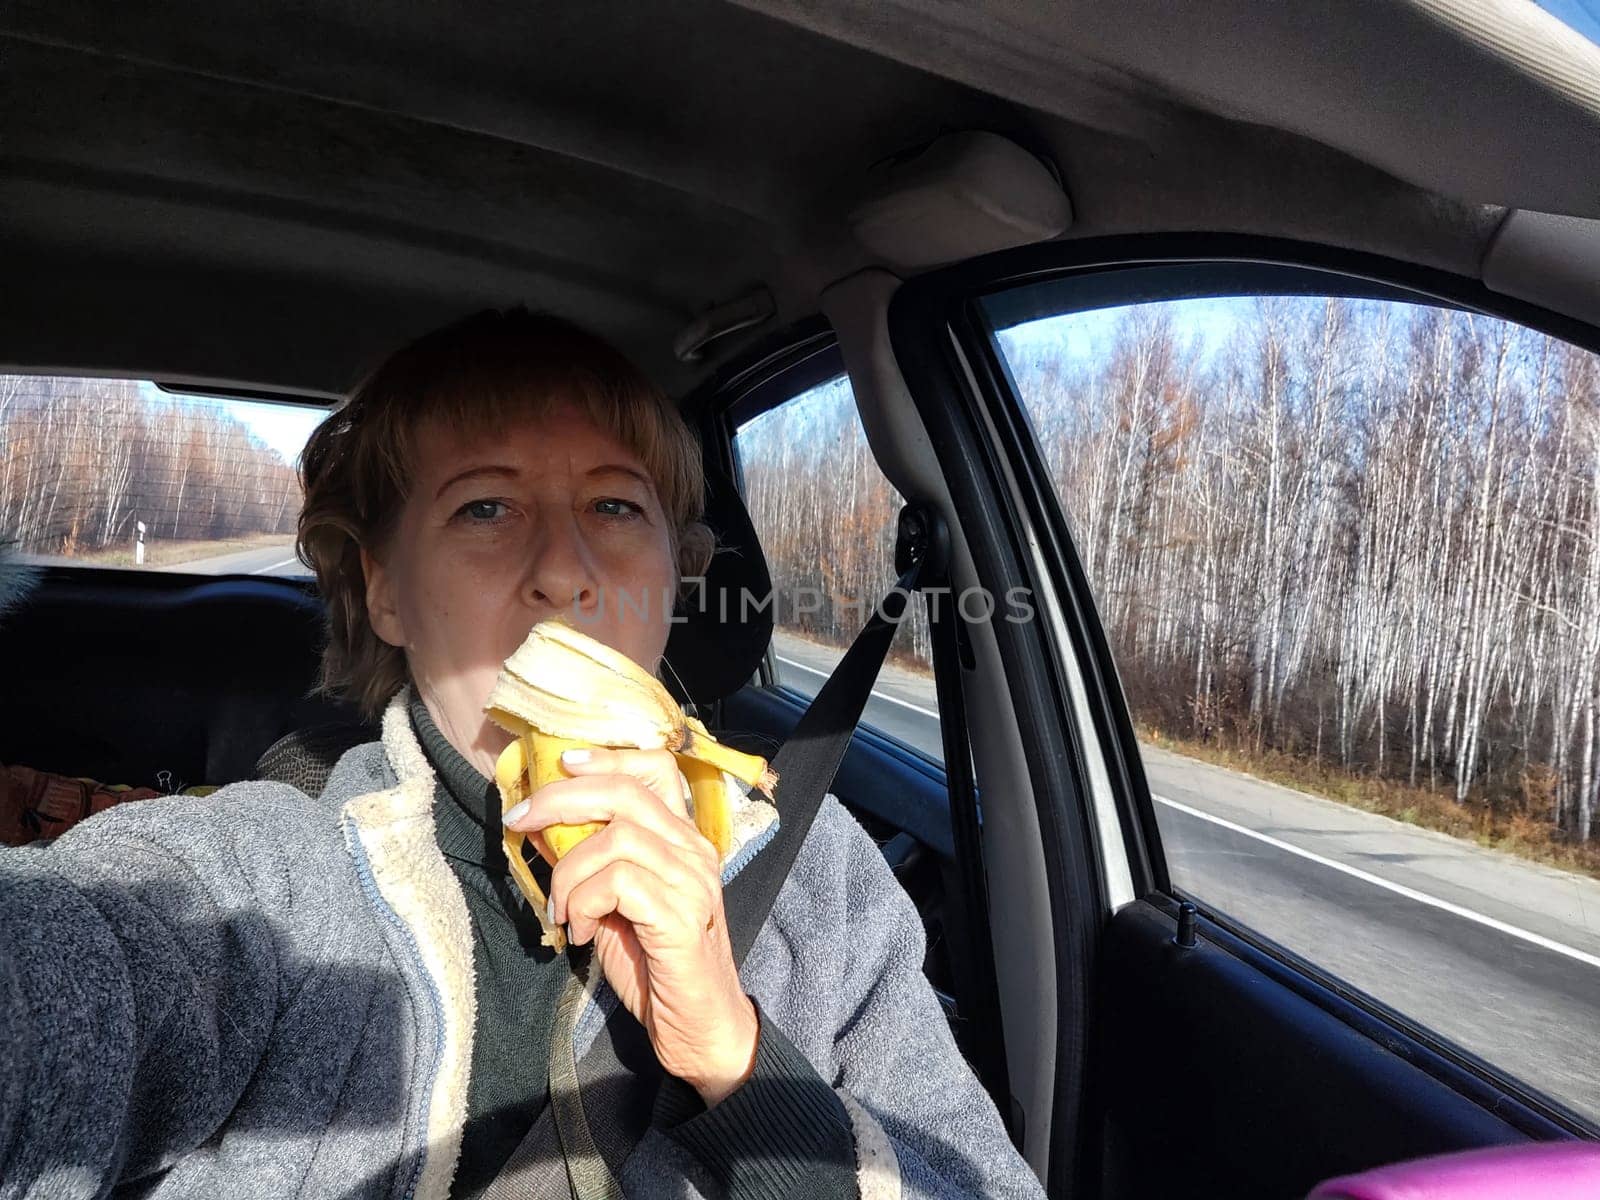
x,y
1520,827
175,554
1504,827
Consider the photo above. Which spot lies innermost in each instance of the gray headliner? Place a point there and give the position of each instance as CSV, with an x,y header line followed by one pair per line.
x,y
208,190
1485,101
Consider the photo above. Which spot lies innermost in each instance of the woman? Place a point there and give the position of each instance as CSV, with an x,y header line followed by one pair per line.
x,y
269,994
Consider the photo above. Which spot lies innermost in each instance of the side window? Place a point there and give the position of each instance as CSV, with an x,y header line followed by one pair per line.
x,y
826,518
120,473
1347,554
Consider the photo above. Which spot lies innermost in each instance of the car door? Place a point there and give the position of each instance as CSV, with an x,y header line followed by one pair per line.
x,y
792,425
1312,542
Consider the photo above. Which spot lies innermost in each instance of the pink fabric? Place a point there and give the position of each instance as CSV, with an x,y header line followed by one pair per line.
x,y
1540,1171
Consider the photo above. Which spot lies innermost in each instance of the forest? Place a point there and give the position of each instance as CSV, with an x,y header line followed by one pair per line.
x,y
826,517
1359,532
82,460
1355,530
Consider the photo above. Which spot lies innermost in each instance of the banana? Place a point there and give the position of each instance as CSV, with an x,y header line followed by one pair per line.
x,y
562,689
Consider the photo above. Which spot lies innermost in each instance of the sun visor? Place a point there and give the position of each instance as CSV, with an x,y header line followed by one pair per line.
x,y
959,196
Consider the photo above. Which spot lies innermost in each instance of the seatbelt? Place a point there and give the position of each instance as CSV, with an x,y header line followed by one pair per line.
x,y
561,1134
810,757
806,765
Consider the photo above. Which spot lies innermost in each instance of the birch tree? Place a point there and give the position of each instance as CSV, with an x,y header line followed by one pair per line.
x,y
1373,519
81,460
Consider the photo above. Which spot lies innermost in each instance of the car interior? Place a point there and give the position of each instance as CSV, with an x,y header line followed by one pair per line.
x,y
751,198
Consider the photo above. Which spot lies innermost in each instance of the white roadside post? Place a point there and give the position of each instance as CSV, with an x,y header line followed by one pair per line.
x,y
138,543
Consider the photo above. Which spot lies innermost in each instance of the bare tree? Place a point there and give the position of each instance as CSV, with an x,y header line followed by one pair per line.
x,y
81,460
1370,513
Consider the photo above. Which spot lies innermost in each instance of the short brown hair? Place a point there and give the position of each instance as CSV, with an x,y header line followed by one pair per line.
x,y
475,375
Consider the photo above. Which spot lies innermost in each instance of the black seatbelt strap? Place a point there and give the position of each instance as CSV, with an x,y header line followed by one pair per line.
x,y
809,759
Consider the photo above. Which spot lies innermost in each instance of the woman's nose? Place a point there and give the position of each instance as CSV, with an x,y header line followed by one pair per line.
x,y
560,571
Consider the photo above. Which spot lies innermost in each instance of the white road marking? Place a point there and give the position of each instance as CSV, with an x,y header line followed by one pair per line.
x,y
274,566
927,712
1398,889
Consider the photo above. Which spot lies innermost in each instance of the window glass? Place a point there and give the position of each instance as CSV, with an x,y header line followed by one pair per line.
x,y
120,473
826,517
1348,558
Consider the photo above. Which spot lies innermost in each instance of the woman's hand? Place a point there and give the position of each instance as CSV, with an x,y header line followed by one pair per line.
x,y
648,890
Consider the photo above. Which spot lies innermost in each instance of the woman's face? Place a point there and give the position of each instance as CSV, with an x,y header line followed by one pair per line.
x,y
502,531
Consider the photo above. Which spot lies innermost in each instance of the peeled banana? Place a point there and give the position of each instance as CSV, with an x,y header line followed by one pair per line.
x,y
562,689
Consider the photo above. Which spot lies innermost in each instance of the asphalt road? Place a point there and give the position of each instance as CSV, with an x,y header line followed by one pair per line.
x,y
1498,955
264,560
902,704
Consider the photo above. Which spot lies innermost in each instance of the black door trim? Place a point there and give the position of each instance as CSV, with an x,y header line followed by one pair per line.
x,y
1541,1118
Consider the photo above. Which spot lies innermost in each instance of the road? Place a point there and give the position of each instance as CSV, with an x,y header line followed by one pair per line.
x,y
264,560
902,704
1499,955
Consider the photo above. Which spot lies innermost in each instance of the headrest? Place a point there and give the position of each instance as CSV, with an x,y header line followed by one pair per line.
x,y
725,624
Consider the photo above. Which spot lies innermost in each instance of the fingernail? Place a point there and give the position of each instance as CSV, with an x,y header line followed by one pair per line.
x,y
574,758
570,942
550,910
516,814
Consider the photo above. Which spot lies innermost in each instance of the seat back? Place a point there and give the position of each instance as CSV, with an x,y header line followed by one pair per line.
x,y
724,626
157,680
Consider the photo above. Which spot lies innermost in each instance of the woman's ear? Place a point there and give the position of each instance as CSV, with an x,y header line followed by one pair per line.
x,y
382,612
695,548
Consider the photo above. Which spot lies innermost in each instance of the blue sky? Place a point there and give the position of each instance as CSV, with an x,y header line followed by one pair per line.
x,y
1582,15
1090,336
1206,328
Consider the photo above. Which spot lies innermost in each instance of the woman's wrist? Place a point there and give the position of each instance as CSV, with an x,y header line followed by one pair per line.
x,y
736,1060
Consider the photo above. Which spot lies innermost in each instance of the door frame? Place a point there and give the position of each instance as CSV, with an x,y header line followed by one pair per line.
x,y
963,373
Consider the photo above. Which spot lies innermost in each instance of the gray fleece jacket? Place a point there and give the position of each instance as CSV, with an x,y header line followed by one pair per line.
x,y
267,995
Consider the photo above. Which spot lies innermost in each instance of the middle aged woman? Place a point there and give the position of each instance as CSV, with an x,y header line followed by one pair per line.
x,y
267,994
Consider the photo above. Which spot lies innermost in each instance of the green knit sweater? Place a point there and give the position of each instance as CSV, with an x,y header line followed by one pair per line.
x,y
518,978
742,1141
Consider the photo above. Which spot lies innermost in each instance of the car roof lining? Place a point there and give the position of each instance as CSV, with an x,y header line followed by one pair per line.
x,y
1482,102
275,198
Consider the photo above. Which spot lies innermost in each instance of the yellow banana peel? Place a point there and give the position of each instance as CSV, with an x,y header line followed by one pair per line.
x,y
560,690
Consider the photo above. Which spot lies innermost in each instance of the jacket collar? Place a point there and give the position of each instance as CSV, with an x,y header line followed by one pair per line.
x,y
391,833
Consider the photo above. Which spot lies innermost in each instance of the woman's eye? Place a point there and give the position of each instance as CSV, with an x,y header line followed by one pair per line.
x,y
482,510
610,506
